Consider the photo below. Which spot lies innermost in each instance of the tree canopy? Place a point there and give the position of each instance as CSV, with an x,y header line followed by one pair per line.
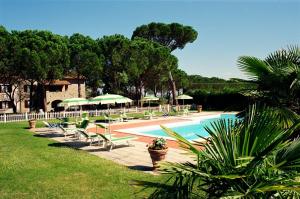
x,y
172,35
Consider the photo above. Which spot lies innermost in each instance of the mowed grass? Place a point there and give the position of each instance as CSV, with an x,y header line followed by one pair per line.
x,y
34,167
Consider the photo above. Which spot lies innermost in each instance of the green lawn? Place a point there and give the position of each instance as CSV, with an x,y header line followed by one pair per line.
x,y
34,167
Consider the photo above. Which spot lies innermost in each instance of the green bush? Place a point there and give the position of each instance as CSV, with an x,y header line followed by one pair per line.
x,y
226,100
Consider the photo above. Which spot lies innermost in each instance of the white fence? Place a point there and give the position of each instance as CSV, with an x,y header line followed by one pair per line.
x,y
73,114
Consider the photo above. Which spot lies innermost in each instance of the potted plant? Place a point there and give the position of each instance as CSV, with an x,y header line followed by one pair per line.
x,y
32,123
157,150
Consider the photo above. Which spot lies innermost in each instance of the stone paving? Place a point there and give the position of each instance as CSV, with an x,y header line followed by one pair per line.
x,y
135,157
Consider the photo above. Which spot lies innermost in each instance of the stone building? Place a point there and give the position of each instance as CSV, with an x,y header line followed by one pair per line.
x,y
55,92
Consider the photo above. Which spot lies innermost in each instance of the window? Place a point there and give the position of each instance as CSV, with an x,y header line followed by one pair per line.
x,y
5,105
27,103
26,88
5,88
55,88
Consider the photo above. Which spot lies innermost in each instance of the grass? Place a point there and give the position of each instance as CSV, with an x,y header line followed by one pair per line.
x,y
36,167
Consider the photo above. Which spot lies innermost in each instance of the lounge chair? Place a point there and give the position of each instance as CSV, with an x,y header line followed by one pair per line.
x,y
91,137
83,124
175,111
74,131
51,125
84,116
113,141
68,131
148,115
65,122
125,117
186,111
111,119
165,114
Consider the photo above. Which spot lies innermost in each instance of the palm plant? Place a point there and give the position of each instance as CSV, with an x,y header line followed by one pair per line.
x,y
251,157
278,76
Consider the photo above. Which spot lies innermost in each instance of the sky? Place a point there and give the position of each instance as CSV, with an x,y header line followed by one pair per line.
x,y
226,29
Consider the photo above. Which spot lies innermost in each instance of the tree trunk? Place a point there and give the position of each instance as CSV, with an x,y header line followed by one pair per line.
x,y
78,84
173,87
30,96
12,102
44,98
14,107
155,91
168,97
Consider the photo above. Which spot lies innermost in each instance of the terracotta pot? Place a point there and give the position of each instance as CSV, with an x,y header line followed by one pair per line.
x,y
156,156
32,124
199,108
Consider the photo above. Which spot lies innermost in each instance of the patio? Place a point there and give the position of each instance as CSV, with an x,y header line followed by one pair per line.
x,y
134,157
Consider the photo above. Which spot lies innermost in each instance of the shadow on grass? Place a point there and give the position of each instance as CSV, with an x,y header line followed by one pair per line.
x,y
101,148
70,145
141,168
48,135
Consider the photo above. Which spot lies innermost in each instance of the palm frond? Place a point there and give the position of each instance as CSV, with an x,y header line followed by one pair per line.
x,y
254,67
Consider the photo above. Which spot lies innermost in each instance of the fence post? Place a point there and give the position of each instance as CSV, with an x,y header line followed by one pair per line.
x,y
159,108
64,114
26,116
46,115
168,108
136,109
4,117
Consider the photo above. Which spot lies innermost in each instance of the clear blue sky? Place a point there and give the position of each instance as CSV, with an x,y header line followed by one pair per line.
x,y
227,29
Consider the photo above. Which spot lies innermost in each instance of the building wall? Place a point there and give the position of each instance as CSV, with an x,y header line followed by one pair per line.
x,y
71,92
4,98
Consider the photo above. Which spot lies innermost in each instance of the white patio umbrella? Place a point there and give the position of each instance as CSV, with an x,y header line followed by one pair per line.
x,y
73,102
109,99
184,97
149,98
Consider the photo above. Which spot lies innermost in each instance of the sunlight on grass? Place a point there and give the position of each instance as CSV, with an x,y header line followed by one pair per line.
x,y
35,167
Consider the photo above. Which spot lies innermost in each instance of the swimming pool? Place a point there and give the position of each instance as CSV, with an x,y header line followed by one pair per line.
x,y
188,130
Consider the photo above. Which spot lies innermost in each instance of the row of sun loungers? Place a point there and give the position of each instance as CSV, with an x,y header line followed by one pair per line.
x,y
80,132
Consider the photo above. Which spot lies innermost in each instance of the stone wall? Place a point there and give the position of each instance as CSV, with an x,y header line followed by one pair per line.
x,y
68,91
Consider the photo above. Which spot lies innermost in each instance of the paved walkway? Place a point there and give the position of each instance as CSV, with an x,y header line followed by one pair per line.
x,y
136,156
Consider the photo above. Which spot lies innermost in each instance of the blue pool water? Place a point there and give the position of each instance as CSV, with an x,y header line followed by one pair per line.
x,y
190,131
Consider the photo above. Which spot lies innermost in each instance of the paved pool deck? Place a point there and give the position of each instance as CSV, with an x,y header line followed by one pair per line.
x,y
135,156
117,127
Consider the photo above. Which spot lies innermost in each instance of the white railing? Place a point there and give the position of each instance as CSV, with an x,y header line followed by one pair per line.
x,y
73,114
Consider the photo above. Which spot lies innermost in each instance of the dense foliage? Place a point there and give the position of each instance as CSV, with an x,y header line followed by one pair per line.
x,y
277,76
252,157
114,63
